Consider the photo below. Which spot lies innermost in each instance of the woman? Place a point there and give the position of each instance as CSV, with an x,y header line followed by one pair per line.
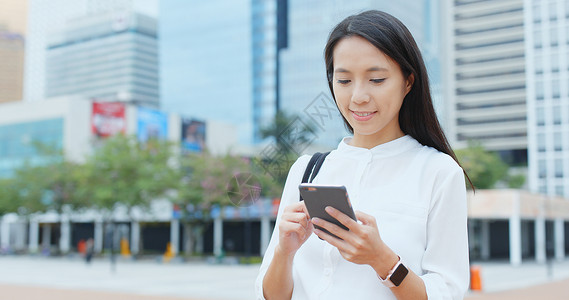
x,y
401,175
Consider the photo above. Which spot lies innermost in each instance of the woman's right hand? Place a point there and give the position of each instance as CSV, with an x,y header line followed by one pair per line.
x,y
294,228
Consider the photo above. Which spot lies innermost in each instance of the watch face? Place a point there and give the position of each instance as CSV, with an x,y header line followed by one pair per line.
x,y
399,274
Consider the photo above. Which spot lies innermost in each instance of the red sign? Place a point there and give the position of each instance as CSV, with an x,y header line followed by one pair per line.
x,y
108,118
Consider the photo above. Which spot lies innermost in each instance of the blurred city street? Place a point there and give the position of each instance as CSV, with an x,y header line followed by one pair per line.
x,y
31,278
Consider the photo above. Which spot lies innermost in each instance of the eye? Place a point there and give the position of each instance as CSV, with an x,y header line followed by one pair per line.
x,y
377,80
343,81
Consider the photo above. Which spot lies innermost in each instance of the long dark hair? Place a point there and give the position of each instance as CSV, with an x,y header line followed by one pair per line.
x,y
417,116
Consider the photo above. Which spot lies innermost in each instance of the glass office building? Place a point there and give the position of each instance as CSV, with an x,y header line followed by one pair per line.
x,y
206,59
110,56
219,60
547,48
17,142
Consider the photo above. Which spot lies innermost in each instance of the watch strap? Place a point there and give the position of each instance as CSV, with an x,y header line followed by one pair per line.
x,y
396,275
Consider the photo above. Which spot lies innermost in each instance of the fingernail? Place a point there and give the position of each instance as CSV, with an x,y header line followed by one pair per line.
x,y
315,220
328,209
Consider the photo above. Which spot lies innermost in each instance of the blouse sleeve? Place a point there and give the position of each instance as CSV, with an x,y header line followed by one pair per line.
x,y
446,260
290,195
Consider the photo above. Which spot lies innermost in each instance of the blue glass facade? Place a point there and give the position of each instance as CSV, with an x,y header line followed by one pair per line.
x,y
206,60
218,60
264,47
17,142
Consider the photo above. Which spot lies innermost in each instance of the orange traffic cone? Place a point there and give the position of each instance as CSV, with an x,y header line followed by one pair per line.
x,y
475,278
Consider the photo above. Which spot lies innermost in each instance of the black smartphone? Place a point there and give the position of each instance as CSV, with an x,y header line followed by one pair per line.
x,y
317,197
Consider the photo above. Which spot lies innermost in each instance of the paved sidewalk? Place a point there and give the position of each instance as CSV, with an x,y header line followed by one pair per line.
x,y
558,290
197,280
8,292
40,278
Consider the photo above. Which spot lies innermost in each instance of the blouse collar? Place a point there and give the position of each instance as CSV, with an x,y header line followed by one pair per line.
x,y
390,148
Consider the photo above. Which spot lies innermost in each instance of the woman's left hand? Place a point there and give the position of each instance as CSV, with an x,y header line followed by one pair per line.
x,y
362,244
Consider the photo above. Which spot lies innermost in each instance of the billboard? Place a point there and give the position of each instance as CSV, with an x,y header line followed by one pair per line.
x,y
193,135
108,118
152,124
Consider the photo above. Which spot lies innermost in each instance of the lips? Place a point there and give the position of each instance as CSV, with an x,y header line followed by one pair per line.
x,y
363,115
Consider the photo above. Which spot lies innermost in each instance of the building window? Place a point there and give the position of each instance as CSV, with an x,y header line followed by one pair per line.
x,y
539,89
542,168
554,62
557,141
543,189
539,64
540,113
559,190
541,142
554,40
537,39
536,13
558,168
556,115
555,88
553,11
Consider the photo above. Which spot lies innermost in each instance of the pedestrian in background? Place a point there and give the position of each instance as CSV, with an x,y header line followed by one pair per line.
x,y
403,179
89,249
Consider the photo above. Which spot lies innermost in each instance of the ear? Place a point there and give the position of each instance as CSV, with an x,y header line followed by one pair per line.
x,y
409,83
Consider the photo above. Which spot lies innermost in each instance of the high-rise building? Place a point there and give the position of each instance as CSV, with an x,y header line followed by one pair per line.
x,y
45,17
547,49
12,42
107,56
486,80
11,66
277,61
265,39
14,15
217,61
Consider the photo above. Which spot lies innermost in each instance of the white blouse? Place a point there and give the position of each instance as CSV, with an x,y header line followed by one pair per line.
x,y
418,197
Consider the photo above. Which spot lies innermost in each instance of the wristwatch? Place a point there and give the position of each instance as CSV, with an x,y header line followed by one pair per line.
x,y
395,275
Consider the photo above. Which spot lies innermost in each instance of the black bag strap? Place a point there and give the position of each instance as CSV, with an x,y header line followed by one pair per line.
x,y
313,167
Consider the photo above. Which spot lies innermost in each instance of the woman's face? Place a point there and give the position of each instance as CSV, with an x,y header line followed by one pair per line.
x,y
369,88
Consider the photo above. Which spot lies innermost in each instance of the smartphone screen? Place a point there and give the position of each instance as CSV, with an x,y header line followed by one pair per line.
x,y
317,197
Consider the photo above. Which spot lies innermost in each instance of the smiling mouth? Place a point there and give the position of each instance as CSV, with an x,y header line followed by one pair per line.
x,y
363,114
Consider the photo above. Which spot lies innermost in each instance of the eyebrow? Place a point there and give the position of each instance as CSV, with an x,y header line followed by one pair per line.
x,y
372,69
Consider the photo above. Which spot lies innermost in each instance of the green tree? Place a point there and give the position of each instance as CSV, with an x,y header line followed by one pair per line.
x,y
216,181
485,168
9,200
50,185
123,171
286,130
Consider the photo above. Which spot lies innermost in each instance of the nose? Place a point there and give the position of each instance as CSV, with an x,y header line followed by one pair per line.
x,y
360,94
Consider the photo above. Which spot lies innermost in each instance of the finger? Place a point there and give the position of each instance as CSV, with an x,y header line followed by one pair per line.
x,y
294,228
343,218
303,207
331,227
297,207
300,218
365,218
342,245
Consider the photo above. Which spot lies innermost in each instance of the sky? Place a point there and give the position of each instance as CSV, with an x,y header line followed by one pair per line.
x,y
147,7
